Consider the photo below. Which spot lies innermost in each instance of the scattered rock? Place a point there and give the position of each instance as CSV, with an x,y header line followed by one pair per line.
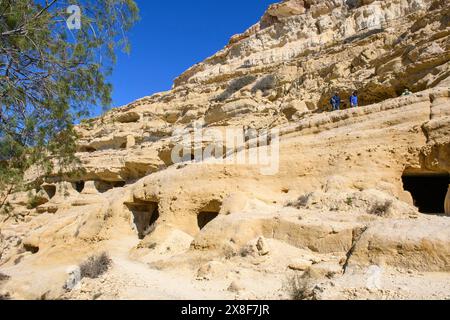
x,y
235,287
262,246
300,265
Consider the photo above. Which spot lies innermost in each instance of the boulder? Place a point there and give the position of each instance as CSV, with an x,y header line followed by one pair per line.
x,y
262,246
128,117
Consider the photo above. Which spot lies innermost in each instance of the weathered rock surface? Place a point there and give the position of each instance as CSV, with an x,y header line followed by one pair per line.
x,y
421,245
335,205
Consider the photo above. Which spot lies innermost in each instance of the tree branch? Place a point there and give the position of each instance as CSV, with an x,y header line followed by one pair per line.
x,y
21,30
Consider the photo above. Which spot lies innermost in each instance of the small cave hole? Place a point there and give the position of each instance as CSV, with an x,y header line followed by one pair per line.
x,y
79,186
428,190
208,213
145,215
31,248
86,149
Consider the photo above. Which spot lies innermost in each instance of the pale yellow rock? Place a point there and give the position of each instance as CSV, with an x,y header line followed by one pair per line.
x,y
131,141
235,287
328,269
300,265
128,117
234,203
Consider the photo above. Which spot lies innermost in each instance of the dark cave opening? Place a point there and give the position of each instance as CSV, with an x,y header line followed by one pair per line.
x,y
119,184
105,186
31,248
79,186
145,215
203,218
428,191
50,190
208,213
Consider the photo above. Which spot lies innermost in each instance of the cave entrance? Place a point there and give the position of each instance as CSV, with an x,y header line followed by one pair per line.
x,y
87,149
208,213
204,218
31,248
50,190
145,215
428,190
79,186
105,186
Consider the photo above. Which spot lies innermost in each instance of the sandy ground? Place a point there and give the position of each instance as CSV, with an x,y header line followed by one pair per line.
x,y
249,279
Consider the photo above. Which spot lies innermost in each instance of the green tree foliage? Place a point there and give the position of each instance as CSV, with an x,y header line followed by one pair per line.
x,y
49,77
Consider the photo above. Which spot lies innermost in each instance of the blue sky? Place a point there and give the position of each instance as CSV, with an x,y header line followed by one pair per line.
x,y
174,35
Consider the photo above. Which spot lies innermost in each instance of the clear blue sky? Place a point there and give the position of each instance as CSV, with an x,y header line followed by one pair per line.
x,y
174,35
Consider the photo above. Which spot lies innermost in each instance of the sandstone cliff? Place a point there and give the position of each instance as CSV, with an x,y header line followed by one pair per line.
x,y
337,202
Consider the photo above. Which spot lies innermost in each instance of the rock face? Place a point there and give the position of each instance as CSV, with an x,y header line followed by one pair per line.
x,y
447,202
331,197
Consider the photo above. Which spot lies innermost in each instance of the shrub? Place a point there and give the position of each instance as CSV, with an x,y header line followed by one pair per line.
x,y
381,208
302,201
95,266
33,202
349,201
5,296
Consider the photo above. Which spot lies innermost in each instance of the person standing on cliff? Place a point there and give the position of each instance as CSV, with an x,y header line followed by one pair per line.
x,y
406,92
336,102
354,100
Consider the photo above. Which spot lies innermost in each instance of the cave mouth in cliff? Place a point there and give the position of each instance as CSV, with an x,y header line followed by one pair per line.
x,y
79,186
87,149
105,186
145,215
428,190
119,184
50,190
205,218
208,213
31,248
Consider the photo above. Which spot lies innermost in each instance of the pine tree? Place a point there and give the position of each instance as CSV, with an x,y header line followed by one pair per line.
x,y
50,75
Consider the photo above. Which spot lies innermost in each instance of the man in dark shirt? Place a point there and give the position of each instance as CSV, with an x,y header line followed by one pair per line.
x,y
336,102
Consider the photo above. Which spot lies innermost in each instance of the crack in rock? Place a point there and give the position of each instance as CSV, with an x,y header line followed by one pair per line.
x,y
358,233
